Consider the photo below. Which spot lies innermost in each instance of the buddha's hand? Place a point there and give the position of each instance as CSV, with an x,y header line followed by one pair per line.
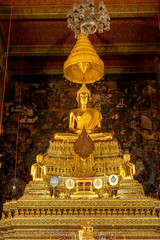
x,y
89,131
79,131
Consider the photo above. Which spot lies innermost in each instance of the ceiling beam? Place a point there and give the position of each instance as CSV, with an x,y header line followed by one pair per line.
x,y
109,49
59,70
60,11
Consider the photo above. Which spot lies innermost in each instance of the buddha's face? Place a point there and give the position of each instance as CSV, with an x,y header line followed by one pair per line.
x,y
83,98
39,158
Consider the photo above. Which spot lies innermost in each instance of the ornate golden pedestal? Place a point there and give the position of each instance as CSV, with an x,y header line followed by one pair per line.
x,y
130,189
42,219
37,190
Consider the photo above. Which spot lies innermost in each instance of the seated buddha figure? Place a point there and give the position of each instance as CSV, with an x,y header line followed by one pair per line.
x,y
127,169
38,169
81,117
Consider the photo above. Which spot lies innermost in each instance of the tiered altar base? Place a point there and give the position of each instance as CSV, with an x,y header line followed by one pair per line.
x,y
42,219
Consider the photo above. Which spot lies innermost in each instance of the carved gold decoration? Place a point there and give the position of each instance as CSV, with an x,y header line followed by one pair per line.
x,y
81,212
3,216
16,213
92,212
76,212
114,212
54,212
137,212
131,212
70,212
86,212
103,212
120,212
148,212
38,212
59,212
32,212
27,212
83,167
65,212
98,212
84,145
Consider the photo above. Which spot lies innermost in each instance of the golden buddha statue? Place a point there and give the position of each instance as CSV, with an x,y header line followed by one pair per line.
x,y
38,169
90,118
127,169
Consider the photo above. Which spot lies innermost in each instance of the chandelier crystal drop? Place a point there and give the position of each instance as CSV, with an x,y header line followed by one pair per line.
x,y
83,19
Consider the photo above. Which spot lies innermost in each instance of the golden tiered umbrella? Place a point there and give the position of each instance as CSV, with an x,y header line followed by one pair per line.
x,y
83,64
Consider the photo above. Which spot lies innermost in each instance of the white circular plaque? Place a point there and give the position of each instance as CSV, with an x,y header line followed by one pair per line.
x,y
70,183
97,183
113,180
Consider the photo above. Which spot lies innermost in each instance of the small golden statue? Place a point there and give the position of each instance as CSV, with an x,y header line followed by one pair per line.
x,y
38,169
127,169
90,118
86,231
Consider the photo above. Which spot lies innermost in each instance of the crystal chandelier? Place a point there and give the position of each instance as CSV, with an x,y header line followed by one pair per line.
x,y
83,18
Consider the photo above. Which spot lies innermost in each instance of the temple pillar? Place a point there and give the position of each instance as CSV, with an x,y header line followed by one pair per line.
x,y
157,71
2,72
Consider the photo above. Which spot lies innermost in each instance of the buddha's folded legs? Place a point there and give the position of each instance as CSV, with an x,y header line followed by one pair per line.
x,y
71,137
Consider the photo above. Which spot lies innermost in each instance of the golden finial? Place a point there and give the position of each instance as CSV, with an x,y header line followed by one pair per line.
x,y
83,64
